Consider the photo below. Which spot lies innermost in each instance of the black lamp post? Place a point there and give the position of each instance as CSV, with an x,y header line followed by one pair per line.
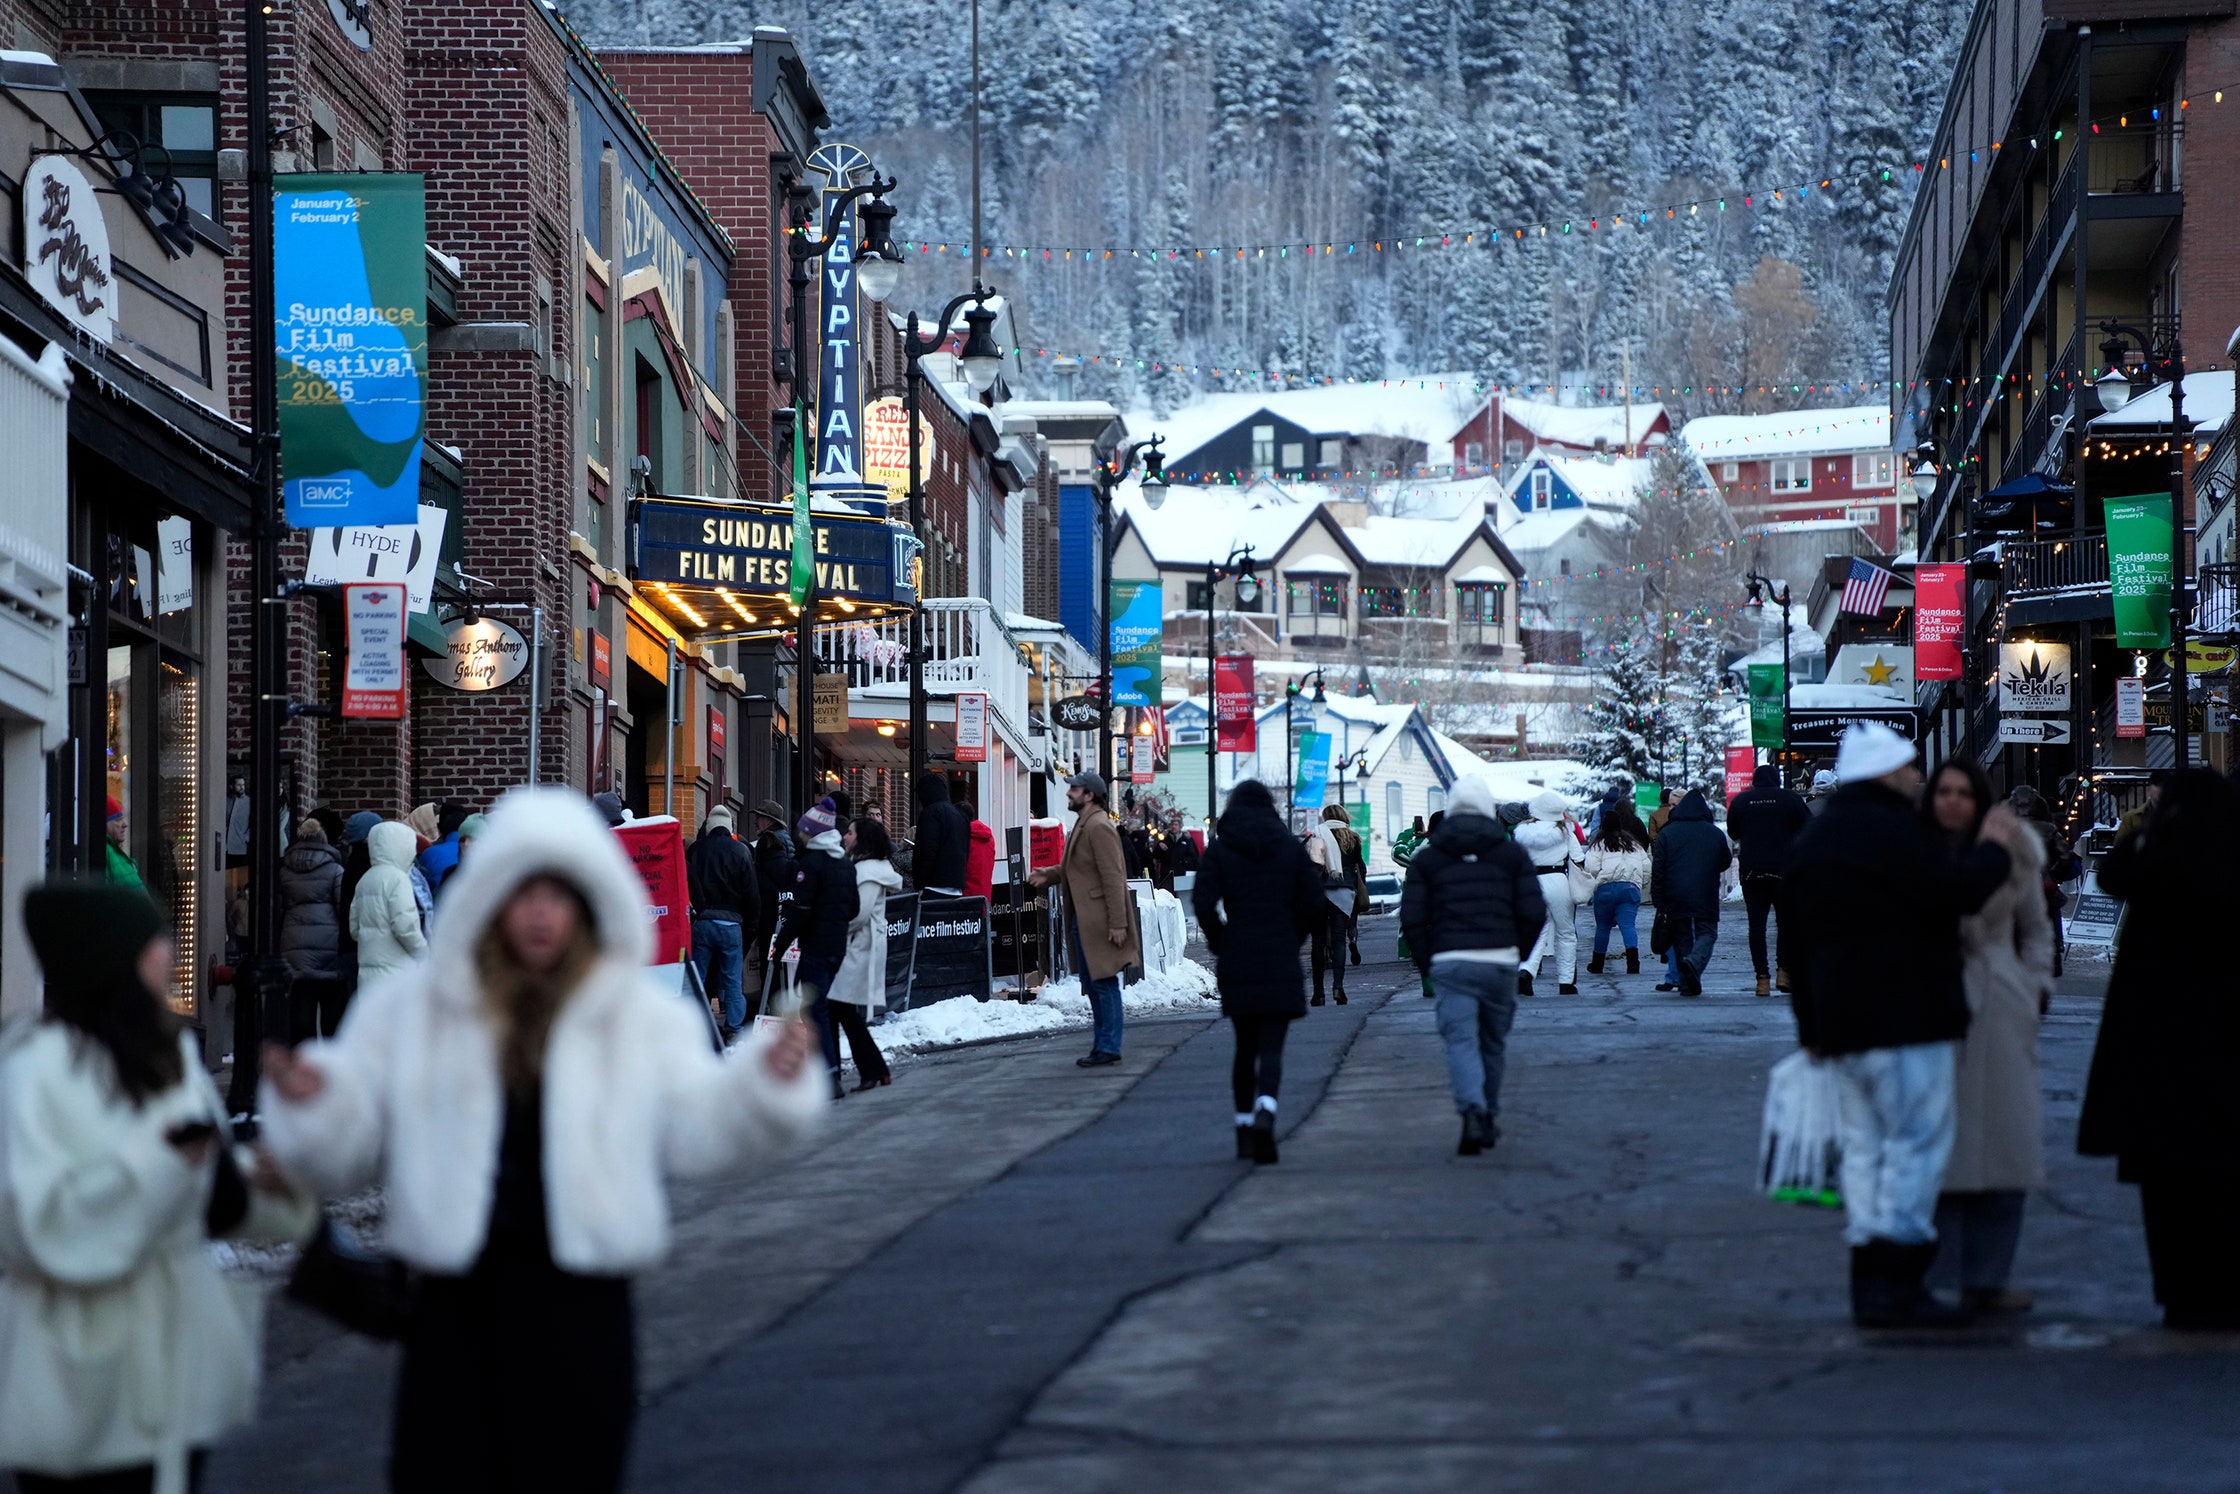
x,y
878,264
981,361
1291,693
1761,592
2163,359
1239,565
1108,477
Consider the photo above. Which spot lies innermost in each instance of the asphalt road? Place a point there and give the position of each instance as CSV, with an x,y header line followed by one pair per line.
x,y
1006,1274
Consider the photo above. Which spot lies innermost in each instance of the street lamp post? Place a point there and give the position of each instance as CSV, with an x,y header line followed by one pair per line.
x,y
874,257
2164,359
1239,565
1761,592
1108,477
981,362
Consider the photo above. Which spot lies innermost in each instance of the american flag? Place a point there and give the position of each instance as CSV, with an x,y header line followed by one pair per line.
x,y
1158,718
1863,588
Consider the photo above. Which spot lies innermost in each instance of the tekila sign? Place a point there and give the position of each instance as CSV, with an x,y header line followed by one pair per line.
x,y
66,246
479,655
2033,677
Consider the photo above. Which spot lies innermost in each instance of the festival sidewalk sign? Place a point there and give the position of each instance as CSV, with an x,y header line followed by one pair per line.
x,y
1765,705
1233,701
951,954
2140,566
1137,625
350,338
1937,621
901,914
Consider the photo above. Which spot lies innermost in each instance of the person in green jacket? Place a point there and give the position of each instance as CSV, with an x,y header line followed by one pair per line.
x,y
122,868
1404,844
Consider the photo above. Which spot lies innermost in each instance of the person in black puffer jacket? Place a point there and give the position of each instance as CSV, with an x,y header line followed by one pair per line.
x,y
311,920
824,903
1684,884
1257,897
719,875
944,838
774,867
1762,822
1470,909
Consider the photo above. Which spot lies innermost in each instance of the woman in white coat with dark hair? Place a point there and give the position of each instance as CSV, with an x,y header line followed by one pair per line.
x,y
521,1094
1552,842
859,988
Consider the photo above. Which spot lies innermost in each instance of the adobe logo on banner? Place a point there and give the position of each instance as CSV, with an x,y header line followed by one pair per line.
x,y
1937,621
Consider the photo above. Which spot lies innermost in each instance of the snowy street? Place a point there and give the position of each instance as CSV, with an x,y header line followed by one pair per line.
x,y
1004,1274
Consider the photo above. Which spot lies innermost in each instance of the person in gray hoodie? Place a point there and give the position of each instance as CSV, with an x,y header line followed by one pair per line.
x,y
384,914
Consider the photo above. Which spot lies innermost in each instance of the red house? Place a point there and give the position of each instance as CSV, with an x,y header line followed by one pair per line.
x,y
1505,430
1808,464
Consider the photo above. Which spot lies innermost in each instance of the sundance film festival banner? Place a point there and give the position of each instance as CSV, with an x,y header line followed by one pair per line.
x,y
1232,698
350,294
1937,622
2139,569
1137,621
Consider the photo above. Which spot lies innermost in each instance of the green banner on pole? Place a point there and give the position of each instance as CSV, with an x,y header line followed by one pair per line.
x,y
2140,566
1645,797
803,569
1137,623
1766,695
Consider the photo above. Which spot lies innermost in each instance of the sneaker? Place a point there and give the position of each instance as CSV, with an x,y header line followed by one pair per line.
x,y
1666,985
1097,1061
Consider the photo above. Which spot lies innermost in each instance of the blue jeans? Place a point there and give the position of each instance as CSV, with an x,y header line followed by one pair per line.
x,y
1615,903
1692,939
720,943
1105,1012
1898,1124
1476,1003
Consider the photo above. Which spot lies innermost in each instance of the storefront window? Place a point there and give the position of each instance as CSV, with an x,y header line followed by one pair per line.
x,y
175,852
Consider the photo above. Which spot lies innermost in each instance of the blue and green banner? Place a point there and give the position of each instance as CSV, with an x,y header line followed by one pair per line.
x,y
1310,776
1138,619
350,332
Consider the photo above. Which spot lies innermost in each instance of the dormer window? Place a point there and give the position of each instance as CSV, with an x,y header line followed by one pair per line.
x,y
1543,489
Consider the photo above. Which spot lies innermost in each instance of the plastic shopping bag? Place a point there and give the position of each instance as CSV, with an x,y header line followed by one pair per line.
x,y
1800,1151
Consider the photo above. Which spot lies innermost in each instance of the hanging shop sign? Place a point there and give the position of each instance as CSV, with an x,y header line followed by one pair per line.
x,y
886,448
350,284
748,547
355,18
174,564
373,679
2207,658
66,246
2139,569
2131,706
479,654
1883,665
602,671
1076,713
717,730
1238,729
403,553
972,727
1822,730
1137,622
1742,764
1766,699
2038,731
1937,619
2033,677
828,703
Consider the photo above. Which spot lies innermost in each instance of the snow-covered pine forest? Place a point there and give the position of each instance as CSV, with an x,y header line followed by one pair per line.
x,y
1200,123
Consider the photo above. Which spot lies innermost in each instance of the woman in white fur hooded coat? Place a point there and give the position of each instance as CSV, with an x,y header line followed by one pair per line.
x,y
521,1094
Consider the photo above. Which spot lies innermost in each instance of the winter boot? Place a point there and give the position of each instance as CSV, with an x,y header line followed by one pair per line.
x,y
1263,1137
1874,1301
1567,989
1765,987
1524,983
1781,980
1475,1123
1923,1309
1317,999
1594,966
1244,1141
1339,995
1633,962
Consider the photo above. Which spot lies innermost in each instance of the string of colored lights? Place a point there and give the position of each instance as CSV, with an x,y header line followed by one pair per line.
x,y
1469,235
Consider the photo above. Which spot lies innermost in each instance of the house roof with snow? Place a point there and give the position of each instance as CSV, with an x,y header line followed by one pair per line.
x,y
1197,527
1791,433
1578,426
2208,405
1426,408
1551,481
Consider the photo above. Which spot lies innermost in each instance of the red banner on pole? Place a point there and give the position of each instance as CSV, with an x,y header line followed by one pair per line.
x,y
1937,621
656,849
1233,704
1742,762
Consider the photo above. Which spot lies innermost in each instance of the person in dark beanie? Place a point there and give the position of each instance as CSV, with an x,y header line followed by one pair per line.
x,y
719,875
127,1354
1684,884
1762,822
824,903
1876,896
774,867
1470,909
1258,897
944,838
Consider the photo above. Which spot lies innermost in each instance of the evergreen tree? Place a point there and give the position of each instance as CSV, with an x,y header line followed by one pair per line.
x,y
1622,719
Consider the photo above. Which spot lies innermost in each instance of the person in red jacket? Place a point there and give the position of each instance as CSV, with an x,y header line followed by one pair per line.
x,y
979,853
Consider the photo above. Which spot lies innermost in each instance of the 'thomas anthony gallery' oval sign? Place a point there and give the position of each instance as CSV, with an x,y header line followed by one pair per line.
x,y
482,655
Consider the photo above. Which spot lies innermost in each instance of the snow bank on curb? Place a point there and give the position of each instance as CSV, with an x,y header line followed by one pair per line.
x,y
1188,987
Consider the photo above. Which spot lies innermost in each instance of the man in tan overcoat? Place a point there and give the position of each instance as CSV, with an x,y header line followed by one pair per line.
x,y
1100,922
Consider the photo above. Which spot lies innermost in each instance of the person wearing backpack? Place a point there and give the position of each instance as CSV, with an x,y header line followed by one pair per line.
x,y
1335,851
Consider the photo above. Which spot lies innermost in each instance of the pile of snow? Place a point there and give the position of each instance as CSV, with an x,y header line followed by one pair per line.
x,y
1187,987
1517,782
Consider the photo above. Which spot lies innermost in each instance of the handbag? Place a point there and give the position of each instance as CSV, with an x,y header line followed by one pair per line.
x,y
1340,898
1582,881
1660,933
340,1277
1800,1148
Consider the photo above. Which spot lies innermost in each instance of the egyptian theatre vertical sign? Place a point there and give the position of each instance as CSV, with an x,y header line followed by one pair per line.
x,y
839,470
